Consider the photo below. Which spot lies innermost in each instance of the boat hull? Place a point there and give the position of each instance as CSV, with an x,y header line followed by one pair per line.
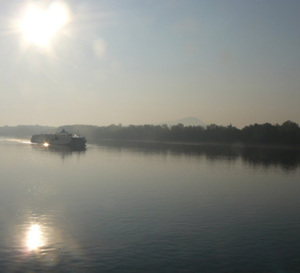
x,y
60,139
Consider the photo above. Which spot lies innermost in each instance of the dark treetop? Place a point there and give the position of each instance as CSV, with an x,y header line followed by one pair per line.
x,y
286,134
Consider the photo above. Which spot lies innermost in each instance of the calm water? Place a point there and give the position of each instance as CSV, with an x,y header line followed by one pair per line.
x,y
148,208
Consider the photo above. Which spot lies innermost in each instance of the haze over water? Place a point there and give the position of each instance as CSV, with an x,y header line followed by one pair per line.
x,y
132,207
148,208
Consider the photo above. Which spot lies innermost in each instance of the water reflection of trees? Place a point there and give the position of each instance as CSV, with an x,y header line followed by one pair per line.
x,y
288,159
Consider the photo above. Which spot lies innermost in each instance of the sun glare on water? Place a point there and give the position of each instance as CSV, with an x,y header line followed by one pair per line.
x,y
34,237
40,25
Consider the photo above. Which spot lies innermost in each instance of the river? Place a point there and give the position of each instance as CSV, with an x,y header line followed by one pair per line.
x,y
118,207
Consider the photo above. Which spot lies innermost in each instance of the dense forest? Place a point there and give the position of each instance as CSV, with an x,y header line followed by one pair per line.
x,y
286,134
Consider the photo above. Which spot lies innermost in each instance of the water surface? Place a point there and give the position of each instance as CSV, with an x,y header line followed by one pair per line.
x,y
148,208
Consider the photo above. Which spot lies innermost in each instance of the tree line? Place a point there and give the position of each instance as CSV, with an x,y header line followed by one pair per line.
x,y
288,133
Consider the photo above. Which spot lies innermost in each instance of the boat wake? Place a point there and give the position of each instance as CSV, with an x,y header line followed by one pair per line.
x,y
18,140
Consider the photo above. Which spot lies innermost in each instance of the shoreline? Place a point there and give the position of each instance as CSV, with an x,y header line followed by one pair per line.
x,y
198,144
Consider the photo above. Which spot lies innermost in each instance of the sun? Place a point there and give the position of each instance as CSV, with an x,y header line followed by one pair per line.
x,y
39,25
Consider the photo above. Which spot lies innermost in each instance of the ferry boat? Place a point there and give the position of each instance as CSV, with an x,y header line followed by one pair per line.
x,y
62,138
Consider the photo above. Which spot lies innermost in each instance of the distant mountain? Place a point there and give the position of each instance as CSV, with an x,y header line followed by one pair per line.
x,y
188,121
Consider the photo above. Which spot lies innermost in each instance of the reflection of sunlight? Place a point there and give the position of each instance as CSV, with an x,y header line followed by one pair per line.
x,y
39,25
34,237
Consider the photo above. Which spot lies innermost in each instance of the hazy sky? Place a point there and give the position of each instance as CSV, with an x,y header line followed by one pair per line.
x,y
149,61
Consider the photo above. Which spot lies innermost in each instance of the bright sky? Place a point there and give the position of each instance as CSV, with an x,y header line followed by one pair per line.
x,y
146,61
